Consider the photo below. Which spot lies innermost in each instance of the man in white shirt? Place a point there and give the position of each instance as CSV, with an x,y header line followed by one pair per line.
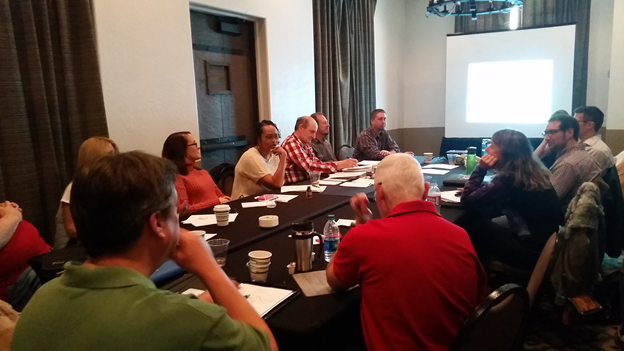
x,y
261,168
590,120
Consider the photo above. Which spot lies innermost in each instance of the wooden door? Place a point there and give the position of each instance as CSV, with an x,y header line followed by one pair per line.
x,y
225,82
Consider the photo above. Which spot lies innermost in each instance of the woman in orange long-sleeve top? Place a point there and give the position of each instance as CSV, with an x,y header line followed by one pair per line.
x,y
195,187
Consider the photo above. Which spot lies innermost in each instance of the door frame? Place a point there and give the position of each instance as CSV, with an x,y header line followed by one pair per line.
x,y
262,55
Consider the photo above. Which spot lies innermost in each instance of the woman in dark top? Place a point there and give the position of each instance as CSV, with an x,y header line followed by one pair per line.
x,y
512,217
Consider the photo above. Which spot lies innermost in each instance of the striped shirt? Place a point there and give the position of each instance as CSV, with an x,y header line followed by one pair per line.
x,y
300,160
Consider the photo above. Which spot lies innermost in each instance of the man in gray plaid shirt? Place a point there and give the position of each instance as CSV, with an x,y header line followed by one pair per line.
x,y
574,165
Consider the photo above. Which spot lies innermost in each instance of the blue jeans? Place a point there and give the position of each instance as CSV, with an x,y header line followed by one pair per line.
x,y
25,287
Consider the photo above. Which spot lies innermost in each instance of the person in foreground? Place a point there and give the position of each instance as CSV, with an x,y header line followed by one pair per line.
x,y
512,217
19,241
124,208
300,159
261,168
195,187
574,165
419,274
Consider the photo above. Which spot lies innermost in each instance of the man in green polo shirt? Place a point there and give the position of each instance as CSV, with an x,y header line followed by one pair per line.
x,y
124,208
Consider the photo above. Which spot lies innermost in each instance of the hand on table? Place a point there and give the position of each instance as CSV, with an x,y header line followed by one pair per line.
x,y
359,204
384,153
348,163
487,161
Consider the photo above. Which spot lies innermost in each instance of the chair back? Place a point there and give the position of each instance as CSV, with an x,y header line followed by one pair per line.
x,y
496,324
223,176
345,151
544,264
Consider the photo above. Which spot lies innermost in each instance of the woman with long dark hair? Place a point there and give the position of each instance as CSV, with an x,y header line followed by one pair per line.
x,y
512,217
195,187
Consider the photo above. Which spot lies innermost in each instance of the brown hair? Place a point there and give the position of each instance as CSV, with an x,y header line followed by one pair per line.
x,y
518,161
174,149
372,115
94,148
114,196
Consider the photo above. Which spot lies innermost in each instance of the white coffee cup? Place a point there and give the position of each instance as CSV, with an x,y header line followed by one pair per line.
x,y
428,157
222,212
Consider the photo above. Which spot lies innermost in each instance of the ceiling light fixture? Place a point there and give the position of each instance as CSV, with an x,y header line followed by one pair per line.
x,y
475,7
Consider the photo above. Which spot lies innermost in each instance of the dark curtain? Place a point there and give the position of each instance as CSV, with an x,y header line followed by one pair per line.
x,y
50,101
539,13
344,65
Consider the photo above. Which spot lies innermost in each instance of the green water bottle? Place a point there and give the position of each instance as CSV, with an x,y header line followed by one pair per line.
x,y
471,160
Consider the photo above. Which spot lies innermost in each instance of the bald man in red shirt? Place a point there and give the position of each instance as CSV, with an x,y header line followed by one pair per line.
x,y
419,274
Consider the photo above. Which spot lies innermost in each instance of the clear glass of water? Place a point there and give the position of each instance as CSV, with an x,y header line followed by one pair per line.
x,y
219,249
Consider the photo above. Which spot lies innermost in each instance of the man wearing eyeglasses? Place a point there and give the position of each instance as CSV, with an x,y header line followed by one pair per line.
x,y
590,120
574,165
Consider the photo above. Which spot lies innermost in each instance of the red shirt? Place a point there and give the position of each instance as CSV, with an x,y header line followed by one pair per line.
x,y
14,256
197,189
300,160
419,275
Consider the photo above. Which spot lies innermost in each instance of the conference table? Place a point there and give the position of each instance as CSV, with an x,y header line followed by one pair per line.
x,y
303,323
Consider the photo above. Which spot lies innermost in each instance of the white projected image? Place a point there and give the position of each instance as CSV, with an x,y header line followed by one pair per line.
x,y
509,91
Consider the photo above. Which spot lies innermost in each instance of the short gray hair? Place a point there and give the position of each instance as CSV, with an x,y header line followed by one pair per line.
x,y
401,178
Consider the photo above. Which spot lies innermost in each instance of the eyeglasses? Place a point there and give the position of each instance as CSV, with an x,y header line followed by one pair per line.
x,y
550,132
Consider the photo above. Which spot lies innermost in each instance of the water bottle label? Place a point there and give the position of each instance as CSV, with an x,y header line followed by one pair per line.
x,y
435,199
331,244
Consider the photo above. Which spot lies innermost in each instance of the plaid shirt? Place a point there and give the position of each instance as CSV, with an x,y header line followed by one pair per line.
x,y
300,160
369,143
573,167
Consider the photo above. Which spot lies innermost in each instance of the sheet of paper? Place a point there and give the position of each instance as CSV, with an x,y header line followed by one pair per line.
x,y
345,222
358,168
345,175
330,182
368,163
206,219
209,236
302,188
449,196
435,171
285,198
254,204
359,183
313,283
263,299
440,166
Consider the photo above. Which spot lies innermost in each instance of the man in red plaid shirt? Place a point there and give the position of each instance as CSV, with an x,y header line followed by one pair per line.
x,y
300,158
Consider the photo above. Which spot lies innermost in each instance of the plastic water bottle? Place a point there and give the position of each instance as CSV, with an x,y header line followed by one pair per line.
x,y
435,196
471,160
331,237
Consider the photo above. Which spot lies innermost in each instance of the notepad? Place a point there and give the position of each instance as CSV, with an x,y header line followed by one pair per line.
x,y
300,188
313,283
346,175
262,298
450,196
206,219
434,171
345,222
359,183
368,163
441,166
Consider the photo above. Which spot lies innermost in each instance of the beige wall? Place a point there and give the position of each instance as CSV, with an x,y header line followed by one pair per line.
x,y
146,64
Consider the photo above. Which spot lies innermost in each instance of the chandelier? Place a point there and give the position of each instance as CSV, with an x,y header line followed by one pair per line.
x,y
475,7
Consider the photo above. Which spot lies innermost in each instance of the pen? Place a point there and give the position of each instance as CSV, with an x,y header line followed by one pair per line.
x,y
247,296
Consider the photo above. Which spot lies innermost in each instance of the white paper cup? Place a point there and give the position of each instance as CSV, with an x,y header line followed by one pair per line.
x,y
260,257
222,212
428,157
258,274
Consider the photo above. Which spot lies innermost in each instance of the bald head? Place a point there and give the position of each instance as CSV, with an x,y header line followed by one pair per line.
x,y
401,179
305,129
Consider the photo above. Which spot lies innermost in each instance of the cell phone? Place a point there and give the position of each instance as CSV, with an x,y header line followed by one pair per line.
x,y
585,304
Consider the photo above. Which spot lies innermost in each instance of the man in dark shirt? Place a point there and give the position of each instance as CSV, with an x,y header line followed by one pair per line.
x,y
321,146
374,142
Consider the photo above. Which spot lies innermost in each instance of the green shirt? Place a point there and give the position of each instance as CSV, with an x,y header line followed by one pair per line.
x,y
116,308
